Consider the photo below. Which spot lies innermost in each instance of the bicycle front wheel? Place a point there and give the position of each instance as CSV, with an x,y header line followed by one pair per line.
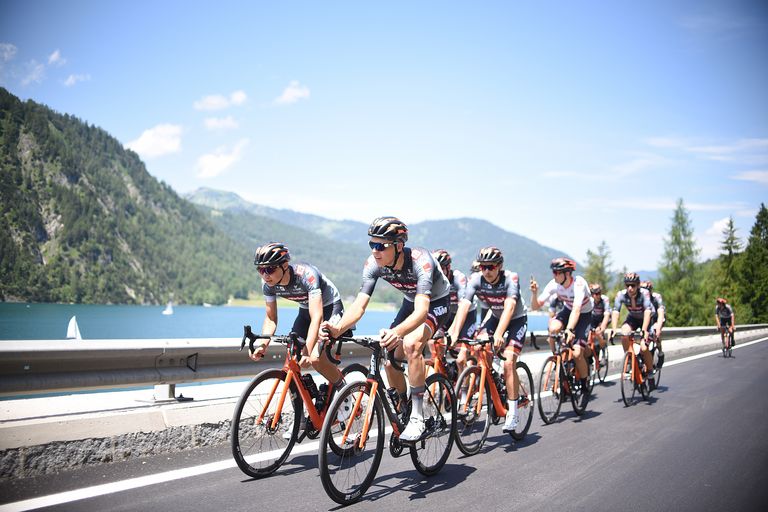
x,y
602,360
473,419
439,410
550,391
348,457
628,387
656,367
524,401
260,437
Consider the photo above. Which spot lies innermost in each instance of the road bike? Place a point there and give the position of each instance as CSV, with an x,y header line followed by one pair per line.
x,y
634,375
482,399
726,338
349,456
269,417
600,360
559,379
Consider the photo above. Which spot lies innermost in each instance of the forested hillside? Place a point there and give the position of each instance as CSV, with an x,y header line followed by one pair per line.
x,y
83,221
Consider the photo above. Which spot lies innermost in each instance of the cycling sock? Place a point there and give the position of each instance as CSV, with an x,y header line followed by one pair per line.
x,y
512,407
417,401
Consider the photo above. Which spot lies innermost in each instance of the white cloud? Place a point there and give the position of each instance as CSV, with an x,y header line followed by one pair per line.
x,y
214,164
760,177
55,59
293,93
161,140
7,52
73,79
742,151
717,227
220,102
35,73
221,123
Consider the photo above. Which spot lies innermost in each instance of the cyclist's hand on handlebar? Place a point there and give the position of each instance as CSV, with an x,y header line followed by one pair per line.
x,y
389,338
498,341
569,335
326,332
258,352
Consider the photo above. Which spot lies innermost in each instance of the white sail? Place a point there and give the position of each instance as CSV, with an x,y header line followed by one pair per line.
x,y
168,309
73,331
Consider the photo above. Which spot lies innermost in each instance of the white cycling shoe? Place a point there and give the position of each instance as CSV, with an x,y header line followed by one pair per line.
x,y
414,430
510,424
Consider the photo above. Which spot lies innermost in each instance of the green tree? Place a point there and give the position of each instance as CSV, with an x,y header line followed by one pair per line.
x,y
598,269
730,245
679,283
752,276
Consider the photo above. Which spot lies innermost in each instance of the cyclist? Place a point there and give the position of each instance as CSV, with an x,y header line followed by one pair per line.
x,y
458,283
318,300
413,271
601,313
724,315
576,313
554,306
659,316
639,312
498,290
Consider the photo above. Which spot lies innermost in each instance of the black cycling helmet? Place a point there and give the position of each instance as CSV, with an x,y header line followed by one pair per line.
x,y
631,278
563,264
389,228
491,255
595,288
273,253
442,257
648,285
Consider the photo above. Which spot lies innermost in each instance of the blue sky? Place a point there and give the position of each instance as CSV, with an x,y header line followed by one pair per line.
x,y
566,122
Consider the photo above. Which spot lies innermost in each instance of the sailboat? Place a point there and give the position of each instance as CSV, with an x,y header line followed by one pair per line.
x,y
168,309
73,331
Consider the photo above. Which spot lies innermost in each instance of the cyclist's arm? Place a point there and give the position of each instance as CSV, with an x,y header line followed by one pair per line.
x,y
316,318
662,317
269,326
733,319
646,320
415,319
506,316
717,320
614,319
606,317
573,318
353,314
459,319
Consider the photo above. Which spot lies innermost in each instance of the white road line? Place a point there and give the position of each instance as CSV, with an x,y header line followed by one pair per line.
x,y
177,474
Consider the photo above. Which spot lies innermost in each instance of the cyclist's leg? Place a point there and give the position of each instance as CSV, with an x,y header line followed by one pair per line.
x,y
629,325
318,357
396,378
515,338
580,349
555,326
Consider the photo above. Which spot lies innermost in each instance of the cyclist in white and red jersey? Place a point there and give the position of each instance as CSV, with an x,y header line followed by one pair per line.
x,y
318,300
639,312
659,316
575,316
724,315
601,313
498,290
424,310
458,282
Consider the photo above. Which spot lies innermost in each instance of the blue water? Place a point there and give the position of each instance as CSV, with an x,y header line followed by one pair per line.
x,y
49,321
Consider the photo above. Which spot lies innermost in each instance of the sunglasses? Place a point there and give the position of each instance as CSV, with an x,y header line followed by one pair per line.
x,y
380,246
267,271
631,285
487,267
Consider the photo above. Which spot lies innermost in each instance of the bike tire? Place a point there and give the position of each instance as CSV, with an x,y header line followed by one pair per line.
x,y
549,400
628,388
579,394
347,473
592,370
524,402
471,426
657,367
602,371
439,409
259,449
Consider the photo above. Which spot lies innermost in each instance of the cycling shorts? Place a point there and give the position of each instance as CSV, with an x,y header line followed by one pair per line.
x,y
515,331
330,313
467,330
437,314
582,326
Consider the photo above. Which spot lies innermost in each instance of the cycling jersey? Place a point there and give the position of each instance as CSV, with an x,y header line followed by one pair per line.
x,y
658,303
493,295
635,307
601,306
306,281
419,275
458,283
725,313
578,291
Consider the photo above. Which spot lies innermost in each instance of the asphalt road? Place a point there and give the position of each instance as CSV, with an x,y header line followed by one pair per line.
x,y
699,444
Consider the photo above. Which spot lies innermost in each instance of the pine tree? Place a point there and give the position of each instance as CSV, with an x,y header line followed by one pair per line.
x,y
679,283
598,269
752,272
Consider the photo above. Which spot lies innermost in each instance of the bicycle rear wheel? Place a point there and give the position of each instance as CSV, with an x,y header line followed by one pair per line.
x,y
347,462
472,424
602,369
524,401
628,387
430,453
550,393
258,447
656,367
579,392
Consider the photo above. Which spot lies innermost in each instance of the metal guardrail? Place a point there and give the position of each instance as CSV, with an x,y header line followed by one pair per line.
x,y
39,366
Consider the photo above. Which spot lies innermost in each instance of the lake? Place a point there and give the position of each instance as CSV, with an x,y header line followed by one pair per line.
x,y
49,321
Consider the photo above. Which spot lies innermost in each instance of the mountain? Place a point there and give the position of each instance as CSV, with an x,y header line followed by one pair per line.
x,y
81,220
